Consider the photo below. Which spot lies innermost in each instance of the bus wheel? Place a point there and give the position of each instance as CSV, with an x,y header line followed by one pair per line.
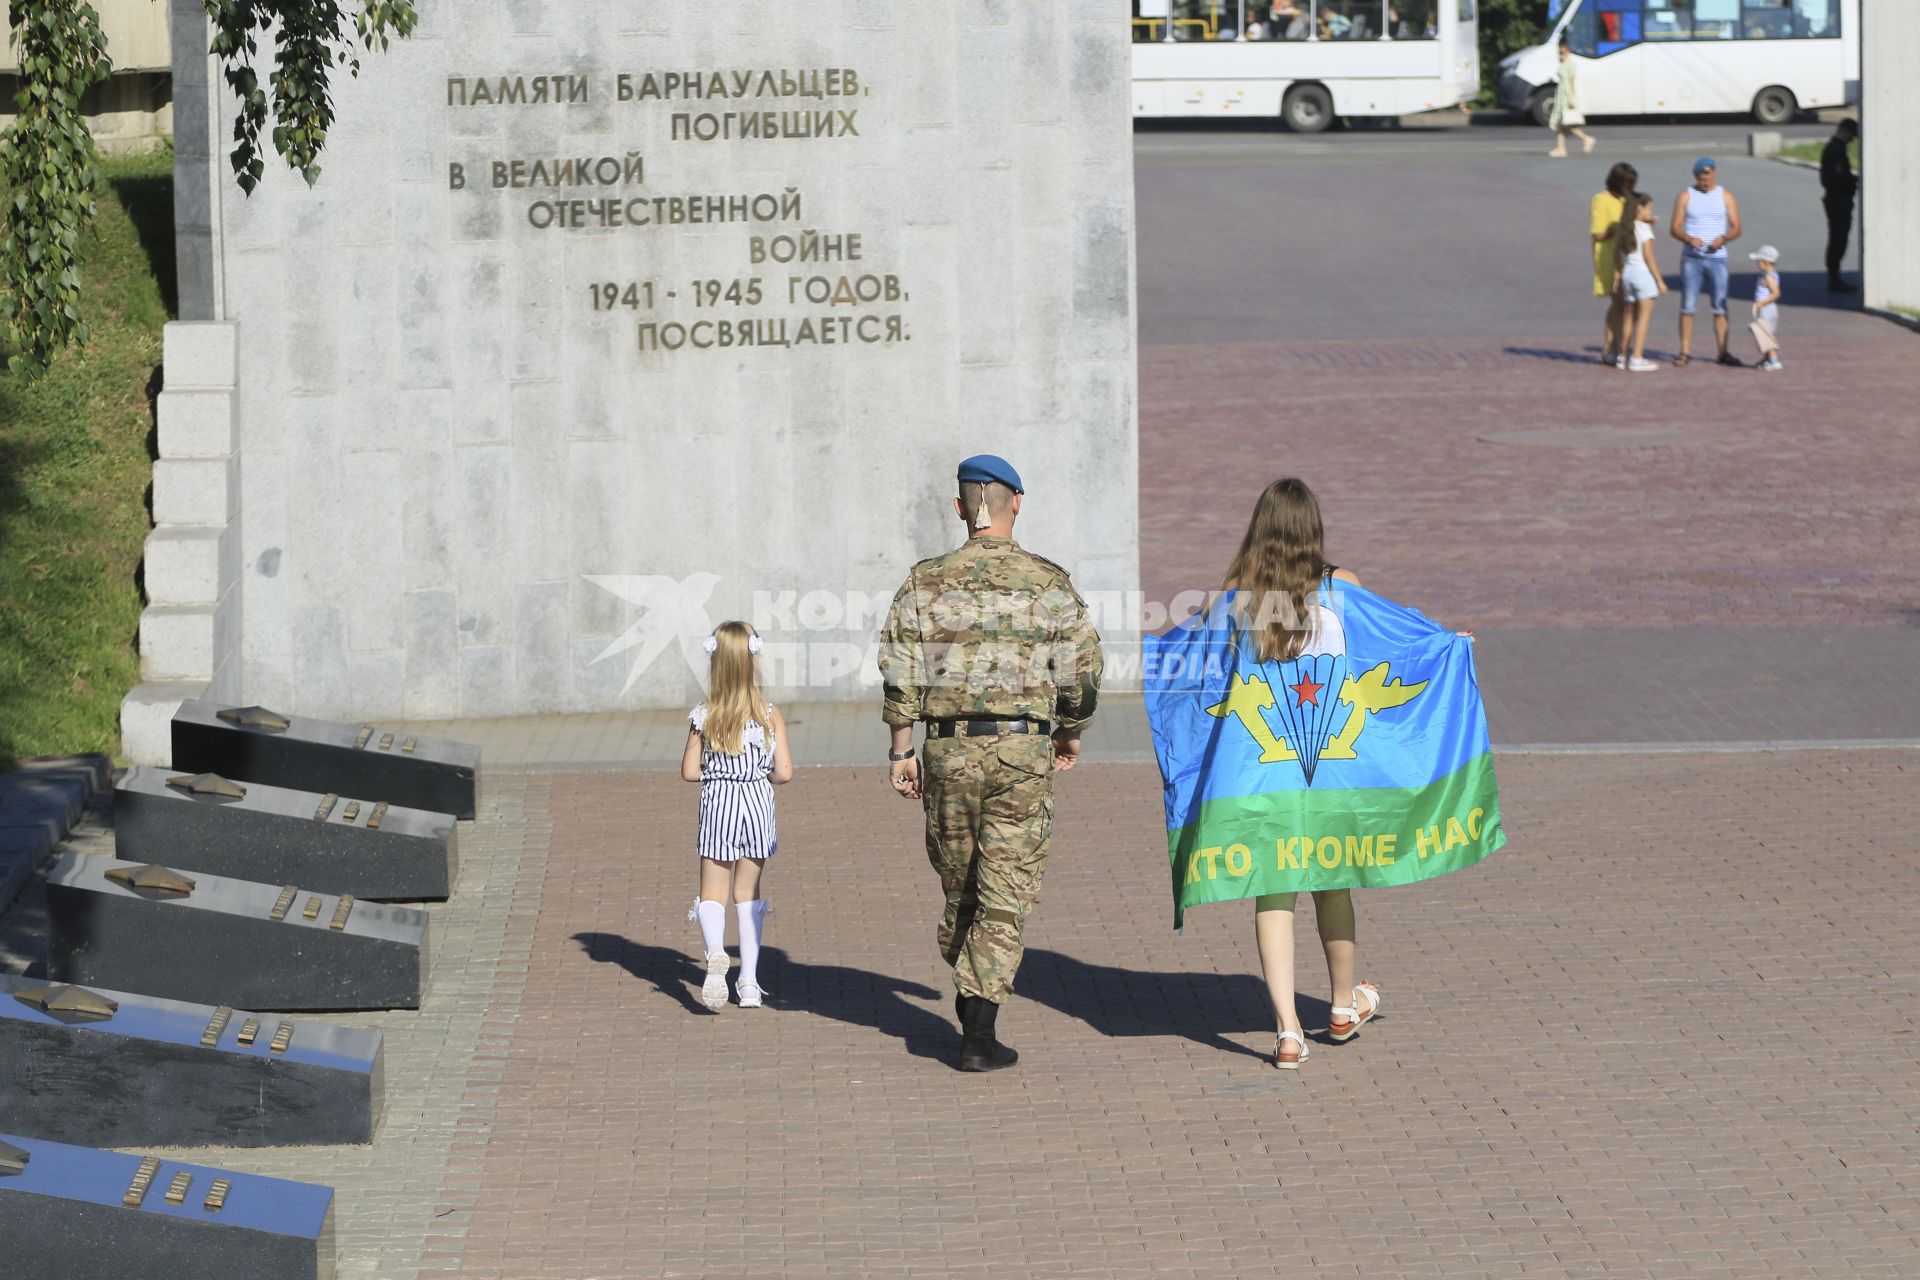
x,y
1774,105
1307,108
1540,107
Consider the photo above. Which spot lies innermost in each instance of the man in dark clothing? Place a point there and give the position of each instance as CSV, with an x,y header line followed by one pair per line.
x,y
1837,187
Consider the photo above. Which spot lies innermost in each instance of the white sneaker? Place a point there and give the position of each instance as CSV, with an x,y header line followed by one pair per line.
x,y
1771,365
713,992
1641,366
750,995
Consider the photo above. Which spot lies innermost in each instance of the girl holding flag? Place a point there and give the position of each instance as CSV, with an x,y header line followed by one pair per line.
x,y
1268,695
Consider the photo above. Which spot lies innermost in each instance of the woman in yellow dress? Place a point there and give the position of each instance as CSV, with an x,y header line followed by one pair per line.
x,y
1603,220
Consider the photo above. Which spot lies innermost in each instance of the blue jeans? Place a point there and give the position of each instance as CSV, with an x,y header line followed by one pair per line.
x,y
1692,268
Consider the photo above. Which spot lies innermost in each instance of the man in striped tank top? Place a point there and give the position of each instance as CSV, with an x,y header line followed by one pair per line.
x,y
1705,218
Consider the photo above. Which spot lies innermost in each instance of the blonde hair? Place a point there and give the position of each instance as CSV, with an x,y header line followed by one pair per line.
x,y
734,699
1280,563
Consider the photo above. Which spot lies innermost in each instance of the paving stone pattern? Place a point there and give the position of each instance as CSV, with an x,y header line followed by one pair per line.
x,y
1669,1031
1664,1033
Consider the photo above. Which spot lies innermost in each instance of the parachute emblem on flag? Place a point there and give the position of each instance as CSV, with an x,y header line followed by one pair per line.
x,y
1307,700
1312,685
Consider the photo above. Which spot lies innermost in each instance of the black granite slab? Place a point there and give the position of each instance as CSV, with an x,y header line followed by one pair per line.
x,y
40,801
221,943
167,1073
371,849
65,1216
324,755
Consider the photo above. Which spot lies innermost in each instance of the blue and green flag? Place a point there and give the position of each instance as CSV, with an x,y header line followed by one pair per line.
x,y
1363,762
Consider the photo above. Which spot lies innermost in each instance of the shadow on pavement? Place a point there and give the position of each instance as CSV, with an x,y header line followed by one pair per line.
x,y
1565,355
853,996
1202,1007
1797,289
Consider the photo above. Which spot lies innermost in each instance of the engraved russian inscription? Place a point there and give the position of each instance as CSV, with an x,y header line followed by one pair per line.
x,y
659,113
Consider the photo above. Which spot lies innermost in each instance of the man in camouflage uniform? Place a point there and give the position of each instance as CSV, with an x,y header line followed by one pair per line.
x,y
992,648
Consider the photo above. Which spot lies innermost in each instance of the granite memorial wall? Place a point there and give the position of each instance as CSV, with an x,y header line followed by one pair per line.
x,y
610,319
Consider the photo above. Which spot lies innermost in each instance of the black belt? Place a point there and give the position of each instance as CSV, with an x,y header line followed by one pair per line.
x,y
984,728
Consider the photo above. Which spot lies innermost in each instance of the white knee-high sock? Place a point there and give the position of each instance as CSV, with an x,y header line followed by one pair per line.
x,y
713,925
751,914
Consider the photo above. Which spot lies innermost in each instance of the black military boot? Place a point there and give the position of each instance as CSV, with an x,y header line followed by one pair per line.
x,y
979,1051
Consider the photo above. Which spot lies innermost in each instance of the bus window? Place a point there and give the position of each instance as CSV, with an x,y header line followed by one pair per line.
x,y
1279,20
1206,19
1150,20
1716,19
1816,18
1766,21
1349,19
1668,20
1411,19
1604,27
1466,13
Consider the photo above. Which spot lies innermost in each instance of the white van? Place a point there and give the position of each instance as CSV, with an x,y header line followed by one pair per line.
x,y
1772,58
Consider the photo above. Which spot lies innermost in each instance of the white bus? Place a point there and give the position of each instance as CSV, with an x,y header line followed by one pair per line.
x,y
1306,61
1770,57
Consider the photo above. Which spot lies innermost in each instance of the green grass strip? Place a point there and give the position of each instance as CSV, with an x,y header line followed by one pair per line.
x,y
75,464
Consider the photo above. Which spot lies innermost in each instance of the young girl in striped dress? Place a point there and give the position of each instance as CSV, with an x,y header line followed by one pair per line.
x,y
736,750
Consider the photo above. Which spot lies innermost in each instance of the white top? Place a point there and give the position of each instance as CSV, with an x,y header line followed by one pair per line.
x,y
1642,232
1706,220
755,760
1329,634
1768,314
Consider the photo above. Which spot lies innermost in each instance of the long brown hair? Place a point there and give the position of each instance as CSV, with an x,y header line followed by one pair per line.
x,y
734,699
1278,568
1624,241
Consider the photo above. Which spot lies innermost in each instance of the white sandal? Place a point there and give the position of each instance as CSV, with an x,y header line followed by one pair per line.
x,y
1279,1047
1354,1018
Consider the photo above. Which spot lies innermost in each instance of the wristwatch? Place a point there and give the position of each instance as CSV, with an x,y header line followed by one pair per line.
x,y
897,756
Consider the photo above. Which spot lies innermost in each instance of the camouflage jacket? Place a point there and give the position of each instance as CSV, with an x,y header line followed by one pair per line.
x,y
989,630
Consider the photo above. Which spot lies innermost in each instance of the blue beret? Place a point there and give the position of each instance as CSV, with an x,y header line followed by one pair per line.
x,y
1703,164
987,468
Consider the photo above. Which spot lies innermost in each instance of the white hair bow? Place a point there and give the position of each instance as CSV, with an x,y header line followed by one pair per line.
x,y
712,644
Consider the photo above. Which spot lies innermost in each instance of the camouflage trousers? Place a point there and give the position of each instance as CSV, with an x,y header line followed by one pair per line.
x,y
989,804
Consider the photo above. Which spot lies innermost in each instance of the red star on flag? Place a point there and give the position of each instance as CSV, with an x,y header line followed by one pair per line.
x,y
1306,691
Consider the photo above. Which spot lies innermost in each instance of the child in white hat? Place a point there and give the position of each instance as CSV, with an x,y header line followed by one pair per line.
x,y
1766,306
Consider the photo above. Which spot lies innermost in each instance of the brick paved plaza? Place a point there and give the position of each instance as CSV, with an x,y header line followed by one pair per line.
x,y
1670,1030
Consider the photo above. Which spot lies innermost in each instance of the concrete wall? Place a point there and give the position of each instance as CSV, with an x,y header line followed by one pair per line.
x,y
444,433
133,110
1890,153
136,32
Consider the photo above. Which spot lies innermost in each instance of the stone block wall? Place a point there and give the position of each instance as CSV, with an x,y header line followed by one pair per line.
x,y
493,453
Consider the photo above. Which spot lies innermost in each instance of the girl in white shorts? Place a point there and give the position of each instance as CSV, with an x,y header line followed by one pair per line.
x,y
1636,279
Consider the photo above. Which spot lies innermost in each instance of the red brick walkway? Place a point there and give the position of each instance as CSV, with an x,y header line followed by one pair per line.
x,y
1509,485
1671,1030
